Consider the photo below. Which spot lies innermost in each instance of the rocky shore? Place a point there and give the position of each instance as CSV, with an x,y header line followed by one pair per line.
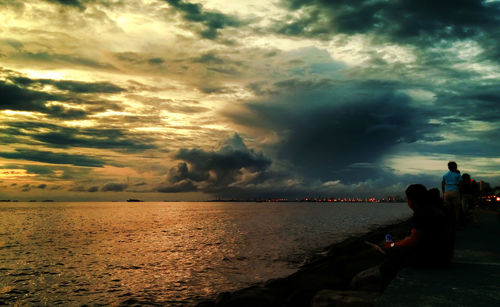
x,y
343,276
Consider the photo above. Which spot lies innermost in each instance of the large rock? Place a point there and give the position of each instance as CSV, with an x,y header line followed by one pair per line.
x,y
368,280
336,298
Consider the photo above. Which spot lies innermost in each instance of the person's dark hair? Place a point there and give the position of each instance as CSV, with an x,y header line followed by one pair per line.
x,y
465,177
417,193
434,197
452,166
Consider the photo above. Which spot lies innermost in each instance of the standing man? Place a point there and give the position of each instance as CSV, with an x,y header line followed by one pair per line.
x,y
451,191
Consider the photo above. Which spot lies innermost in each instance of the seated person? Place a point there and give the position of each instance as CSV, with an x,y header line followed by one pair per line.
x,y
431,239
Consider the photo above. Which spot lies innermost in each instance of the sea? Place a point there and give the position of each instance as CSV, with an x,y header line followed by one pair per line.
x,y
164,253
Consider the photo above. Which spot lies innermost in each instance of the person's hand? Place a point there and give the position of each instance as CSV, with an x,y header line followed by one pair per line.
x,y
376,247
388,245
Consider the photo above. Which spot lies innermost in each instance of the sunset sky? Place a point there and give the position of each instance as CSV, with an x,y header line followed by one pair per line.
x,y
192,100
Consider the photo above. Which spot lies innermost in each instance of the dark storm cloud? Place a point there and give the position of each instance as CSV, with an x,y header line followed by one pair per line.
x,y
359,172
324,132
213,169
179,172
484,144
14,127
30,169
231,71
25,94
63,137
209,58
372,174
465,110
222,65
82,4
80,188
99,138
77,189
43,170
402,20
13,43
64,59
52,157
8,139
216,89
114,187
384,183
21,99
225,163
422,23
66,113
51,172
178,187
212,21
330,130
93,189
71,86
42,186
294,83
476,102
75,3
38,169
156,61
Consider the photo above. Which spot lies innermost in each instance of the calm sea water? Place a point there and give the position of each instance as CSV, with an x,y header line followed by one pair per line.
x,y
163,253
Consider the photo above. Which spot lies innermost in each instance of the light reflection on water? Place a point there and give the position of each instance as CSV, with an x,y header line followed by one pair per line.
x,y
165,253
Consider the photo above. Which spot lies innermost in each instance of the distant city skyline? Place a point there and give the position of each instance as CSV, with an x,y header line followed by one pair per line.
x,y
194,99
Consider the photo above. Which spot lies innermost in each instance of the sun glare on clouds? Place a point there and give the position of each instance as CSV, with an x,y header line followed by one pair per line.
x,y
44,74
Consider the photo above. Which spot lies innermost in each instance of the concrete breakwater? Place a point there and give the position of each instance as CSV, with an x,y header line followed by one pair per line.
x,y
325,280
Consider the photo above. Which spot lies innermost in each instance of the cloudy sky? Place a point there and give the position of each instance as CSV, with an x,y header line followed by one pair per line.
x,y
197,99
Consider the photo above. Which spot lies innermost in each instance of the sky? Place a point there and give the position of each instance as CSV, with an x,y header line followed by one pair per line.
x,y
202,99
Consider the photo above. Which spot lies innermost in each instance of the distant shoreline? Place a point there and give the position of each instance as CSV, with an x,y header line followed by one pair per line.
x,y
196,201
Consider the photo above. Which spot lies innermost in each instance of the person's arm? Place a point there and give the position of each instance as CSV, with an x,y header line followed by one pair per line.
x,y
409,241
442,187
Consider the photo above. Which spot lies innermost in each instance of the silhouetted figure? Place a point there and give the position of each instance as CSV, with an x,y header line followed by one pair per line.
x,y
470,193
431,240
435,197
451,190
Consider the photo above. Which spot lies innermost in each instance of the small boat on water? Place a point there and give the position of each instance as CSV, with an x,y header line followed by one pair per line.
x,y
132,200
